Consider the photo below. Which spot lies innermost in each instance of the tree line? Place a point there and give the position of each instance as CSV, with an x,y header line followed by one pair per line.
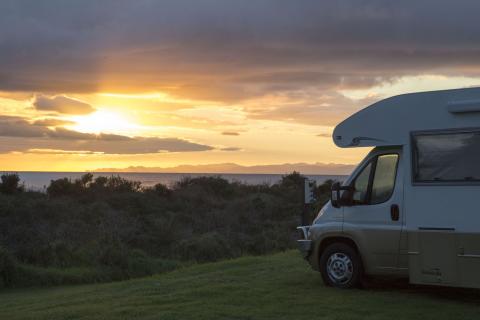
x,y
109,228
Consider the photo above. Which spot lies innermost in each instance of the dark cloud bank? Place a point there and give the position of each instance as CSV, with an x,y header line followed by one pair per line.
x,y
233,51
227,49
15,130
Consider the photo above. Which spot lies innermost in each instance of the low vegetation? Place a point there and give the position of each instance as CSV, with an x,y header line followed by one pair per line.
x,y
279,286
108,228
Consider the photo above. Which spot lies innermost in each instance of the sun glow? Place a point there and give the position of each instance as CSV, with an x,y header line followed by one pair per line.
x,y
103,121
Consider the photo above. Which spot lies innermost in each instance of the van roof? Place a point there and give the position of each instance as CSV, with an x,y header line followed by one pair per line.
x,y
390,121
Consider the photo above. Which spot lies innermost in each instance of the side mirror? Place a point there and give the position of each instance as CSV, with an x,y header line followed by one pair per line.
x,y
335,195
338,198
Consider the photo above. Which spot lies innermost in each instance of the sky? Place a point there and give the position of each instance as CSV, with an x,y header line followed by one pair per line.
x,y
116,83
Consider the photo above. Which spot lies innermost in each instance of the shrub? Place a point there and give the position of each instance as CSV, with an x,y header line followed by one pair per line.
x,y
119,184
8,267
162,190
215,185
127,263
63,187
34,276
115,184
10,183
109,228
86,185
112,254
206,247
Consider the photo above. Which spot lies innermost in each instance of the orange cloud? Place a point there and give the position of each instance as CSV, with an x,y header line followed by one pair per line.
x,y
61,104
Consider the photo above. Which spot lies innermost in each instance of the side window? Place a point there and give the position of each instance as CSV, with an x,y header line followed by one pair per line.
x,y
361,185
377,186
447,157
384,178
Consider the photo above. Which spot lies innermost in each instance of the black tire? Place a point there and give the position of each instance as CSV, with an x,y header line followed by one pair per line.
x,y
340,257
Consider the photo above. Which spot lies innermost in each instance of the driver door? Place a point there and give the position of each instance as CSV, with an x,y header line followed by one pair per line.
x,y
374,216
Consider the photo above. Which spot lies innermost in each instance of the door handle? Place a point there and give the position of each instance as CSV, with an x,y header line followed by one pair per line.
x,y
394,212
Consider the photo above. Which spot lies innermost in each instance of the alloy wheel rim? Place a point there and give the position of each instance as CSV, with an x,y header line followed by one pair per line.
x,y
339,268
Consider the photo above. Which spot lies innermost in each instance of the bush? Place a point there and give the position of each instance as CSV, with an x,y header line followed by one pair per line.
x,y
206,247
34,276
8,268
10,183
86,185
63,187
216,185
113,255
108,228
127,263
114,184
161,190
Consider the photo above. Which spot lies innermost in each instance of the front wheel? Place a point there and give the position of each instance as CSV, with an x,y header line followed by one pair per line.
x,y
341,266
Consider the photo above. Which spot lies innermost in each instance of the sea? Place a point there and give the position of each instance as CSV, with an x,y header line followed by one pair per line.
x,y
39,181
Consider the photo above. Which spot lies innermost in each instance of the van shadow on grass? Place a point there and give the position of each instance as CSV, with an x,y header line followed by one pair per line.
x,y
402,286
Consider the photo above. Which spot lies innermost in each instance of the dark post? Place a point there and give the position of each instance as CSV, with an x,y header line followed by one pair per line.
x,y
304,205
308,198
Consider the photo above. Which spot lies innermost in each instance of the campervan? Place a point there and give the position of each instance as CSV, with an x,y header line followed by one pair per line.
x,y
412,207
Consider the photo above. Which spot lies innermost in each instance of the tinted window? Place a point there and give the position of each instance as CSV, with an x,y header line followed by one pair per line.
x,y
384,178
361,185
447,157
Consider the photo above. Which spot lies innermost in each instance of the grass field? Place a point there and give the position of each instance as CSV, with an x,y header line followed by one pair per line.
x,y
280,286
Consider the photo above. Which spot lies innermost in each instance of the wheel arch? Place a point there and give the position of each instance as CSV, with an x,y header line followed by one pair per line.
x,y
333,239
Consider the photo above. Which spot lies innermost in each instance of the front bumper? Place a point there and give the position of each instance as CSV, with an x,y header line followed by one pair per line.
x,y
304,243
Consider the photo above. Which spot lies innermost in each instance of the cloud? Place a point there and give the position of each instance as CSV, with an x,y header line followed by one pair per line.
x,y
19,127
233,51
230,133
231,149
19,135
219,48
52,122
324,135
62,104
309,106
137,145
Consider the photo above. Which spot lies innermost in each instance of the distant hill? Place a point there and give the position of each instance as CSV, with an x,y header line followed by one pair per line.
x,y
305,168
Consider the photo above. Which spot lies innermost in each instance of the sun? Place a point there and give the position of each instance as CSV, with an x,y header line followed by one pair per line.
x,y
104,121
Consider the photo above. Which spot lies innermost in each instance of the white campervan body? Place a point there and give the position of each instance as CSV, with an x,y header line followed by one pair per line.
x,y
412,206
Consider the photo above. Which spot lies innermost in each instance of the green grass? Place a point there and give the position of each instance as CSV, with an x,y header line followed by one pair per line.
x,y
280,286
